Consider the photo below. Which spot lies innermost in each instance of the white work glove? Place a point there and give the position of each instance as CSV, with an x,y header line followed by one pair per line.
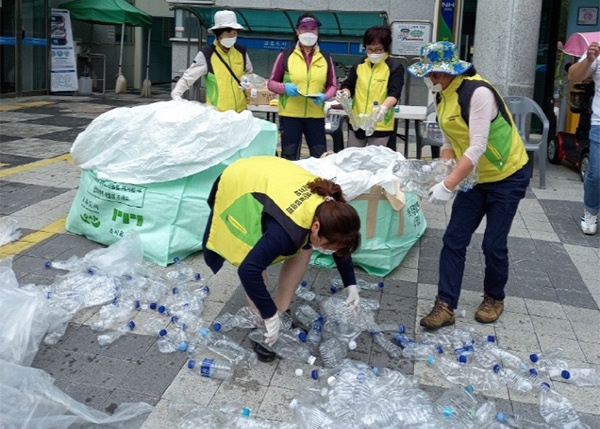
x,y
176,97
272,325
439,194
353,299
382,111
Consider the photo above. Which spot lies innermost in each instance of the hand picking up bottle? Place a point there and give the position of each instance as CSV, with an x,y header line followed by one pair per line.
x,y
440,194
272,326
353,298
381,113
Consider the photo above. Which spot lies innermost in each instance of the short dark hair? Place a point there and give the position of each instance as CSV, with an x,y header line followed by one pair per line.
x,y
379,34
217,32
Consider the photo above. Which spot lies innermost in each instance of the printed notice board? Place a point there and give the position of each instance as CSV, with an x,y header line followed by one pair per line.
x,y
409,36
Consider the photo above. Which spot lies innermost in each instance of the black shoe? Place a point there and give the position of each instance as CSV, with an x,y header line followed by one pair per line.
x,y
262,353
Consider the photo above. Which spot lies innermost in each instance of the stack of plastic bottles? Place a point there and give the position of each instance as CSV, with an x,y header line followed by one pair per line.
x,y
418,176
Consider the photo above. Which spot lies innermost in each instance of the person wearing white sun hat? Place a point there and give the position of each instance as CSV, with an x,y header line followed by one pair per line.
x,y
479,132
223,63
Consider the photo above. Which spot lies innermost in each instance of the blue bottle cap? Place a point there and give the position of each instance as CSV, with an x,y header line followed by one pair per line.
x,y
534,357
533,371
91,271
197,276
176,259
152,306
136,303
191,364
302,336
545,386
439,349
501,417
565,374
175,290
376,371
491,339
447,412
430,360
246,412
131,324
48,264
380,284
206,289
462,359
303,283
203,332
314,374
184,327
182,346
402,329
217,326
162,332
162,309
496,368
469,388
174,319
333,288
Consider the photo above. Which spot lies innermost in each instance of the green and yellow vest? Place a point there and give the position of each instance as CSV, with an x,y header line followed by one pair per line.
x,y
505,153
222,90
309,80
252,186
371,85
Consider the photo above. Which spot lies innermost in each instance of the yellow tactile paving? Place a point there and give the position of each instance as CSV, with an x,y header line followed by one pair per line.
x,y
24,105
32,165
32,239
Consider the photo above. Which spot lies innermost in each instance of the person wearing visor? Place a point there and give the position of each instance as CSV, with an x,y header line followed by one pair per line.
x,y
376,77
265,210
480,132
223,63
304,76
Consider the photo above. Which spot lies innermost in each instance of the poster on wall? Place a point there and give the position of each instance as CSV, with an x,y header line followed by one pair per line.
x,y
63,62
409,36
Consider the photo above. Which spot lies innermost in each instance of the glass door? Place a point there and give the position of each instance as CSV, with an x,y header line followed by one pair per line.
x,y
34,46
8,40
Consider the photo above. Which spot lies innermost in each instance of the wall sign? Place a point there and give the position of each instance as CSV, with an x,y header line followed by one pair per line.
x,y
409,36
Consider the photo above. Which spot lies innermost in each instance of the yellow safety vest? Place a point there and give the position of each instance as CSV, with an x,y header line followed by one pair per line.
x,y
252,186
505,153
222,90
371,85
310,79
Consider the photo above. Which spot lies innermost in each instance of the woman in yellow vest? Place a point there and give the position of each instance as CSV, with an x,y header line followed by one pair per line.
x,y
305,77
480,132
267,209
375,78
223,63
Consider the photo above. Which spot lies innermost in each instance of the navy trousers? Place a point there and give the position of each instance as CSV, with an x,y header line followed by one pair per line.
x,y
498,202
291,136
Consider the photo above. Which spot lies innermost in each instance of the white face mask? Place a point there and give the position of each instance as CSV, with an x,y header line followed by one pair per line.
x,y
228,42
308,39
323,251
433,88
375,58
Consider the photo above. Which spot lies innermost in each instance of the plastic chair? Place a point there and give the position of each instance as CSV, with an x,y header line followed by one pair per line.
x,y
523,109
428,134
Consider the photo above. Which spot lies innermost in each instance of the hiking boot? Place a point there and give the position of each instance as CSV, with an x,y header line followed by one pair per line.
x,y
440,315
589,223
489,310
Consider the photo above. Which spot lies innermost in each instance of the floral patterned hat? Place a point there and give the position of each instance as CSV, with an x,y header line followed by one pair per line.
x,y
439,57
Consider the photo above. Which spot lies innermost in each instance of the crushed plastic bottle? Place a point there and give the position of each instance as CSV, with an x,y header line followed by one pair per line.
x,y
287,346
212,368
518,421
557,411
371,119
581,376
333,351
390,348
225,347
514,379
457,405
304,292
314,335
415,350
306,315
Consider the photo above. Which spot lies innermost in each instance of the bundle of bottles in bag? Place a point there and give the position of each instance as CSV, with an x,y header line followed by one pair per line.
x,y
364,121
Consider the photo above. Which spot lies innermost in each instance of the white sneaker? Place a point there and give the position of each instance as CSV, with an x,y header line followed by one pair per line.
x,y
589,223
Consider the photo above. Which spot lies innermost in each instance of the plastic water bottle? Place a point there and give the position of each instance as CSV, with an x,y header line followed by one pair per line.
x,y
488,353
371,119
171,340
557,411
480,378
457,405
212,368
513,379
227,321
389,347
306,315
362,284
581,376
304,292
314,335
549,360
225,347
517,421
414,350
333,351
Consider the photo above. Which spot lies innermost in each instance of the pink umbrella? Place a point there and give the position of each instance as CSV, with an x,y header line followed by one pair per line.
x,y
578,43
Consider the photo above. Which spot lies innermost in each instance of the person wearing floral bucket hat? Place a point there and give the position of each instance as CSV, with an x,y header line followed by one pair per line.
x,y
479,132
223,63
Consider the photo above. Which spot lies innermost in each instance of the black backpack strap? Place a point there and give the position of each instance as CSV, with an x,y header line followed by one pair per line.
x,y
242,50
208,51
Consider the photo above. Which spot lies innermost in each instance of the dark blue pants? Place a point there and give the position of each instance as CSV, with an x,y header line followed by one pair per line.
x,y
291,136
498,202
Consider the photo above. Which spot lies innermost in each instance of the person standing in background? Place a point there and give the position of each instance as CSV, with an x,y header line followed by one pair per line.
x,y
589,65
305,77
223,63
479,132
376,77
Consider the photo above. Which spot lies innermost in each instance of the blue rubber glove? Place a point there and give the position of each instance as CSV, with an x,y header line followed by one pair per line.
x,y
320,99
291,89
